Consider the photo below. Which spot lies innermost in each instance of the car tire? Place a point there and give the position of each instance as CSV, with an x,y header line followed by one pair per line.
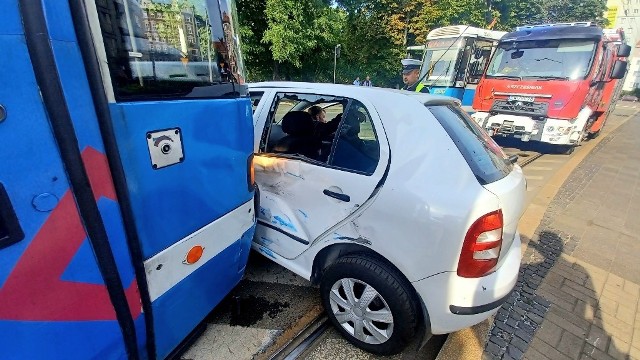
x,y
389,319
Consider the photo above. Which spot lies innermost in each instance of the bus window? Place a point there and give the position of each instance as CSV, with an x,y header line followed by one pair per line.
x,y
481,52
159,49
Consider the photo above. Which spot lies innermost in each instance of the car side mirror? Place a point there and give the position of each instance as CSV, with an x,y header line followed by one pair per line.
x,y
624,50
619,69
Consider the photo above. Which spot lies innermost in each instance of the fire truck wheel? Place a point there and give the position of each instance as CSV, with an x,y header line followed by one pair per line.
x,y
565,149
593,135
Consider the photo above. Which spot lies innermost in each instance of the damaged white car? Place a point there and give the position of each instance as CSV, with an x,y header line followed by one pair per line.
x,y
396,203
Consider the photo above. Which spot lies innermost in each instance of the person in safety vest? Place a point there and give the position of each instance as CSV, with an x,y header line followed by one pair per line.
x,y
411,76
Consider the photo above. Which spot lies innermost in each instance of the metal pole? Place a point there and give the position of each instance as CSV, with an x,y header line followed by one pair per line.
x,y
335,61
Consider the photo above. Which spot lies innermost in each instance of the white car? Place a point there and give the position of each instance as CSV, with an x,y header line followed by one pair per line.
x,y
406,216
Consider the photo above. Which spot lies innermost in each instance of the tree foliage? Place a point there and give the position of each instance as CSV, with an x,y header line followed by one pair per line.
x,y
574,10
296,39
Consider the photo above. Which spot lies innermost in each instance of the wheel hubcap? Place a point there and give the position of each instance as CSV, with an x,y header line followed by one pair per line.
x,y
361,311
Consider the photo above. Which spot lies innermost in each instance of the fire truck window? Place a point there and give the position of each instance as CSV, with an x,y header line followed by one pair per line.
x,y
562,58
171,49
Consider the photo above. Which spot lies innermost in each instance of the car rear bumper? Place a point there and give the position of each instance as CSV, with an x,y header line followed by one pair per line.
x,y
454,303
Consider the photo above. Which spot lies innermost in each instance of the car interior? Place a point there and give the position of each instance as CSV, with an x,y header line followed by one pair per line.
x,y
351,139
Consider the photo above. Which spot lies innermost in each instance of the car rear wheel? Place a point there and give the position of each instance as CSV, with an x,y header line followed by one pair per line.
x,y
372,305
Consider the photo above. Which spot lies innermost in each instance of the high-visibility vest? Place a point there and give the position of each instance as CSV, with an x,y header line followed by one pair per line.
x,y
419,87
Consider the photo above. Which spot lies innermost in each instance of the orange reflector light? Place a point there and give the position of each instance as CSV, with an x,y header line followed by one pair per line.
x,y
251,175
194,254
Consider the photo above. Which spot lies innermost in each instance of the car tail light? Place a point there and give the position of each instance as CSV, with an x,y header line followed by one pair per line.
x,y
251,175
481,247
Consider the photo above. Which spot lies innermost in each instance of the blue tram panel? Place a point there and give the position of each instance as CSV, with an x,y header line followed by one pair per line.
x,y
170,232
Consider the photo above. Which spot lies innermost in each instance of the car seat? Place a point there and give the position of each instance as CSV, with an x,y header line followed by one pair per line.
x,y
352,152
299,127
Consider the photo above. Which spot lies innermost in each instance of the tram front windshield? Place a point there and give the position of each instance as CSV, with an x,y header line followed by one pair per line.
x,y
439,64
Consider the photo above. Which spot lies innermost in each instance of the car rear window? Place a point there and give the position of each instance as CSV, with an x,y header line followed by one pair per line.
x,y
485,158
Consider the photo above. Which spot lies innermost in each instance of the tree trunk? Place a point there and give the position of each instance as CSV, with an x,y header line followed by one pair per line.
x,y
275,70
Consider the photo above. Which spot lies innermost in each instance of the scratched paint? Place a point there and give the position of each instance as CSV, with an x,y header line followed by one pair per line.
x,y
294,175
264,241
267,252
303,214
284,223
265,214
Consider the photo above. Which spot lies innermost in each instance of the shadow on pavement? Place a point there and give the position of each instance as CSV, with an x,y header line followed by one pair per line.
x,y
518,320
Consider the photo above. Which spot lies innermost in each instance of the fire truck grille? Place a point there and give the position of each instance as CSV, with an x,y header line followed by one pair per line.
x,y
515,107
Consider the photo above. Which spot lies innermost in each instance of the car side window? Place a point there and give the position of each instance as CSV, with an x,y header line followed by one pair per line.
x,y
255,99
357,147
290,128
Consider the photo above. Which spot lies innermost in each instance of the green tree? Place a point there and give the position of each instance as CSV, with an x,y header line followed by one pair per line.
x,y
514,13
295,37
575,10
373,41
253,24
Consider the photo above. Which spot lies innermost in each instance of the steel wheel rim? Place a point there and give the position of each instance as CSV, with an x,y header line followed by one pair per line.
x,y
361,311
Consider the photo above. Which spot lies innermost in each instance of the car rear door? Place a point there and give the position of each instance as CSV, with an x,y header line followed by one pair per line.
x,y
489,164
302,199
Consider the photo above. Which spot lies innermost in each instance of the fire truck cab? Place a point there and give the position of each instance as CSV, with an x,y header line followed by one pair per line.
x,y
548,83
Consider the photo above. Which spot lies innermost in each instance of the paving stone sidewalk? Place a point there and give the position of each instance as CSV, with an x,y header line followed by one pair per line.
x,y
578,292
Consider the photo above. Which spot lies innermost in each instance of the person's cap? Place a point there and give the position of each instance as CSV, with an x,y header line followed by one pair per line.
x,y
409,65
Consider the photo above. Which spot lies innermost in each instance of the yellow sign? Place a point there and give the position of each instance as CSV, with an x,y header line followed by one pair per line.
x,y
611,14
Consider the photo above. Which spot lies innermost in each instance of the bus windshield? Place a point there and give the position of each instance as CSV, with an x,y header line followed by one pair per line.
x,y
438,66
543,59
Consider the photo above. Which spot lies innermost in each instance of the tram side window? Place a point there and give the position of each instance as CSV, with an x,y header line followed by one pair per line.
x,y
158,49
479,60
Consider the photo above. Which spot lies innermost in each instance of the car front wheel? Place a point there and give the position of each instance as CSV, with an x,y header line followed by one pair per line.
x,y
370,303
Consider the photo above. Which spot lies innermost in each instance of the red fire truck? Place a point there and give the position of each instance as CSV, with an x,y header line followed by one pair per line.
x,y
551,83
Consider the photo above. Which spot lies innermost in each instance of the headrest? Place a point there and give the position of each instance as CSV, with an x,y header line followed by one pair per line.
x,y
297,123
351,125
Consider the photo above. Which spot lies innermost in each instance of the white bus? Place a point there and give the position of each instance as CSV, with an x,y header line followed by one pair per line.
x,y
454,59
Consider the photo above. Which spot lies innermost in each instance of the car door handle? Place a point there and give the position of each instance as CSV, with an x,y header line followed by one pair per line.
x,y
335,195
10,230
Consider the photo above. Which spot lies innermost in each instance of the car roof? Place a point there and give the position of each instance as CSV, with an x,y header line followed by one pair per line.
x,y
374,94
